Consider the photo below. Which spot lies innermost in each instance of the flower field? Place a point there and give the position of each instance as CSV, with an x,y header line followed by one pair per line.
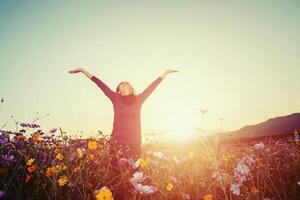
x,y
36,164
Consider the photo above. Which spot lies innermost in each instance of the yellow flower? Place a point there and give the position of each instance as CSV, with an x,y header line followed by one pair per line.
x,y
92,145
104,194
59,156
143,162
224,157
169,187
64,167
57,168
147,161
79,153
92,156
56,151
76,169
30,161
208,197
62,180
191,155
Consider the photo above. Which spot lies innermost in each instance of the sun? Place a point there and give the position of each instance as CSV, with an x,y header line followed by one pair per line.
x,y
182,134
182,129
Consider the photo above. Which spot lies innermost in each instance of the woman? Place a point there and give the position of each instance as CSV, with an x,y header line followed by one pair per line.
x,y
126,134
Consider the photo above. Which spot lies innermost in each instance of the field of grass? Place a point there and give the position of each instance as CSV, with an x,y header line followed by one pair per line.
x,y
36,164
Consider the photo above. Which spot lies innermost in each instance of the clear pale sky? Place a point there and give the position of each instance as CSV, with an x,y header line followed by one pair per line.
x,y
238,59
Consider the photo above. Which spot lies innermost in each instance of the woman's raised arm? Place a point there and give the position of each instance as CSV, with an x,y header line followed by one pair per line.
x,y
106,90
144,95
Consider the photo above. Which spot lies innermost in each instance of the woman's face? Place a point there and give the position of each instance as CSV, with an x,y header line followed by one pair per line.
x,y
125,89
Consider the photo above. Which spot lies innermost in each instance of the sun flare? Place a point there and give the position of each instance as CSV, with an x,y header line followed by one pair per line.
x,y
183,128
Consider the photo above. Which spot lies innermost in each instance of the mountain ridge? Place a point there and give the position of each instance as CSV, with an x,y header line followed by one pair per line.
x,y
281,125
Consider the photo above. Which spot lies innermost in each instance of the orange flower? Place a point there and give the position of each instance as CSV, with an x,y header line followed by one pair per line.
x,y
31,168
36,136
208,197
50,171
20,138
27,178
92,156
3,170
76,169
88,185
254,190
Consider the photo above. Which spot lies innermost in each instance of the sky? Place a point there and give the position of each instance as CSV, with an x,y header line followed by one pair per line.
x,y
237,59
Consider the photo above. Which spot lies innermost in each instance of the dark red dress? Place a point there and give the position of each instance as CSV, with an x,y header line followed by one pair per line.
x,y
125,139
127,121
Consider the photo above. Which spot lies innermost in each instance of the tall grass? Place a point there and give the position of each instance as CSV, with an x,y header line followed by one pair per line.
x,y
52,165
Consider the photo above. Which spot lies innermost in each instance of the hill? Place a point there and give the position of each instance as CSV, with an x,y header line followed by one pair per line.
x,y
278,126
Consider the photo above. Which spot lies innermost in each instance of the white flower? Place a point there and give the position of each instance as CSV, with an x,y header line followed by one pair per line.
x,y
144,188
186,196
122,161
298,183
137,163
248,159
138,177
158,154
176,160
148,152
173,179
130,161
242,168
218,176
235,188
154,162
214,175
259,146
241,178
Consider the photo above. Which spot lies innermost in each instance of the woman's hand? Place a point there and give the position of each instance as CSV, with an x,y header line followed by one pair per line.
x,y
168,72
77,70
171,71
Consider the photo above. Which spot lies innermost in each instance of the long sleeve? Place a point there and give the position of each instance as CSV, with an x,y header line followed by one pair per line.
x,y
144,95
106,90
